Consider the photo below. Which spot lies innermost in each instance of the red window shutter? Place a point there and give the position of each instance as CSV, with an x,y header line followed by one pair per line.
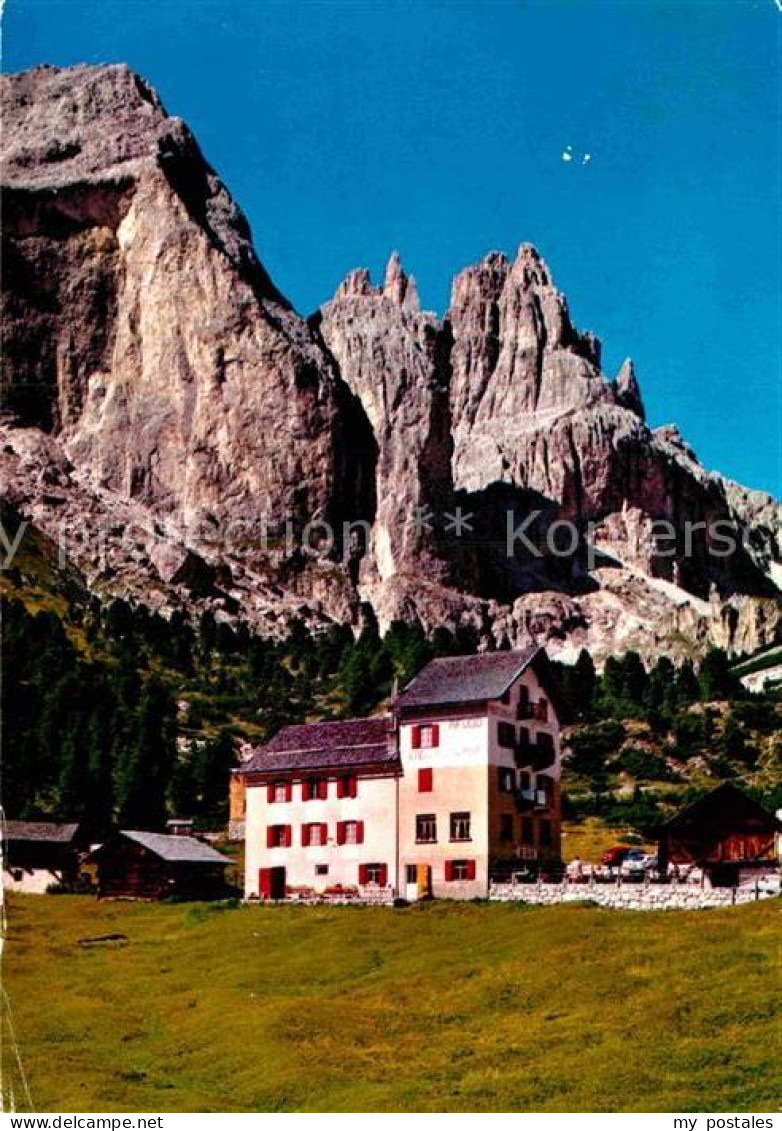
x,y
353,792
324,833
340,832
270,793
323,789
435,734
340,787
449,869
359,832
470,869
288,791
362,873
270,836
305,835
288,835
383,877
425,780
416,738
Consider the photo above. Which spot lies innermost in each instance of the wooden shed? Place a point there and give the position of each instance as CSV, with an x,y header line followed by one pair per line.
x,y
727,834
148,865
39,854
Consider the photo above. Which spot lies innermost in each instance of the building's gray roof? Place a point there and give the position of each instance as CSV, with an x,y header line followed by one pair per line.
x,y
177,849
49,831
466,679
323,746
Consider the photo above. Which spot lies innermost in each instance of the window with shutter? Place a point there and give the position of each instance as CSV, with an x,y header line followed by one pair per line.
x,y
278,836
347,786
373,874
425,780
460,870
341,832
429,736
415,738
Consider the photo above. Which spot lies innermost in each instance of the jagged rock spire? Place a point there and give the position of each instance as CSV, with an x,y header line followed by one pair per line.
x,y
628,390
400,287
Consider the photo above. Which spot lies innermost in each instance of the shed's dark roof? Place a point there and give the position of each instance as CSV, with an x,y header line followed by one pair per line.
x,y
49,831
310,746
177,849
724,805
466,679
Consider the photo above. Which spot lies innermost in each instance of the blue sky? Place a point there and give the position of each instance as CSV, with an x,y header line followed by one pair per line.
x,y
346,129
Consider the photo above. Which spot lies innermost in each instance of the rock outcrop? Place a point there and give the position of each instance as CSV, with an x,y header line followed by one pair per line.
x,y
182,432
141,329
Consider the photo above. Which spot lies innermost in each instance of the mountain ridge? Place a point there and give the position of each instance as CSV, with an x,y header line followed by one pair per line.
x,y
171,417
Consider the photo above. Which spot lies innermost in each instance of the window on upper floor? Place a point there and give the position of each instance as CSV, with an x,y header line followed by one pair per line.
x,y
460,826
506,826
541,710
278,836
425,736
350,832
314,833
425,780
506,735
523,705
315,789
279,791
426,828
347,786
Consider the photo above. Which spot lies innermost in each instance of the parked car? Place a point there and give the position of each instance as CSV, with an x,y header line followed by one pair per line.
x,y
638,863
616,855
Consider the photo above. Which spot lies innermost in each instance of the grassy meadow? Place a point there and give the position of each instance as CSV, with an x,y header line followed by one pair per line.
x,y
446,1007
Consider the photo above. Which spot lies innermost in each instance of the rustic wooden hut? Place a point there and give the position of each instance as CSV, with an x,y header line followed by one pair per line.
x,y
148,865
40,854
727,834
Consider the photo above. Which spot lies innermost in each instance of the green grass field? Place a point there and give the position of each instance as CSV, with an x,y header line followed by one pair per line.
x,y
448,1007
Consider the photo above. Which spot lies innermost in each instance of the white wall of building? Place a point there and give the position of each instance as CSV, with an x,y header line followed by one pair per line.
x,y
375,804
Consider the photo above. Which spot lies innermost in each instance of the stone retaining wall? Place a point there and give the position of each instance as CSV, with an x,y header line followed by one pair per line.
x,y
628,897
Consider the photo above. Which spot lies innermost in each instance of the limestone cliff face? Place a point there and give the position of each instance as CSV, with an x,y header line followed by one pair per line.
x,y
393,358
141,328
161,398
